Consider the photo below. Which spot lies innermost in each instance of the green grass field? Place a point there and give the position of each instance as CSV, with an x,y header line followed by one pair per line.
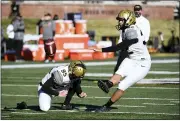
x,y
141,101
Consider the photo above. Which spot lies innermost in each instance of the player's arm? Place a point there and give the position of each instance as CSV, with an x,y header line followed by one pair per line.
x,y
131,37
69,96
76,88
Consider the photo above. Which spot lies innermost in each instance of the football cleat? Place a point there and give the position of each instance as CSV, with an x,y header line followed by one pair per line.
x,y
103,85
103,109
67,107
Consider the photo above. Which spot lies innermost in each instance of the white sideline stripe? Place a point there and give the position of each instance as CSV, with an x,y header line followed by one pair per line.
x,y
156,104
87,63
13,95
15,85
72,111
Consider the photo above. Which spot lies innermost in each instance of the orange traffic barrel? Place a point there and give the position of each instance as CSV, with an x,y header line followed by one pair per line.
x,y
60,27
80,27
69,27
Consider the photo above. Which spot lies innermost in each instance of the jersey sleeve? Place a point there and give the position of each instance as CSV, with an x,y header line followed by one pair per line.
x,y
131,37
76,88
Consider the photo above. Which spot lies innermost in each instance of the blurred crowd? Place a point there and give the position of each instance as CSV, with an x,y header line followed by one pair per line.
x,y
15,33
16,29
158,43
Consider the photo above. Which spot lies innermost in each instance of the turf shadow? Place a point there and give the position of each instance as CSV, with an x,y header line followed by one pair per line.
x,y
88,107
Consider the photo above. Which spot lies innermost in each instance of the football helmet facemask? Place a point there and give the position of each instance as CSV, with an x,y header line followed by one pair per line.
x,y
125,19
77,69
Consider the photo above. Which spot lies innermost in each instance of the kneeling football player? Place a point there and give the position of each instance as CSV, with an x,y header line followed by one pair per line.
x,y
63,81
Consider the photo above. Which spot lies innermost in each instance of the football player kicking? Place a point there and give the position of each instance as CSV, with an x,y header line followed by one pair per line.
x,y
134,67
61,81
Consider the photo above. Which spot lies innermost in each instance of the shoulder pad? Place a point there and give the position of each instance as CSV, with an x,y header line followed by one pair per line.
x,y
131,33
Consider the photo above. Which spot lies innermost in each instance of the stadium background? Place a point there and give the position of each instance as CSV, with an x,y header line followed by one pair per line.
x,y
92,10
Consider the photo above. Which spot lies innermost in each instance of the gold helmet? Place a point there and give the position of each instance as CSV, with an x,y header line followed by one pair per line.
x,y
128,18
77,69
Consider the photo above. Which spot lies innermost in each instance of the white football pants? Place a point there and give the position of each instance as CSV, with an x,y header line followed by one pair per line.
x,y
44,100
132,71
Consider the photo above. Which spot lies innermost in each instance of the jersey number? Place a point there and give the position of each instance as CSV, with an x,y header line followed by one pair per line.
x,y
64,72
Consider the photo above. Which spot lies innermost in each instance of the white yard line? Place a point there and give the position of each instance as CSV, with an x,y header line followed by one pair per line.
x,y
87,63
174,101
5,116
143,81
72,111
94,97
156,104
15,85
83,108
162,72
109,75
144,113
14,109
127,106
155,88
27,113
130,106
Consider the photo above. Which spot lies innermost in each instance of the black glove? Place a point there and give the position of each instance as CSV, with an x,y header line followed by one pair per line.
x,y
66,107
